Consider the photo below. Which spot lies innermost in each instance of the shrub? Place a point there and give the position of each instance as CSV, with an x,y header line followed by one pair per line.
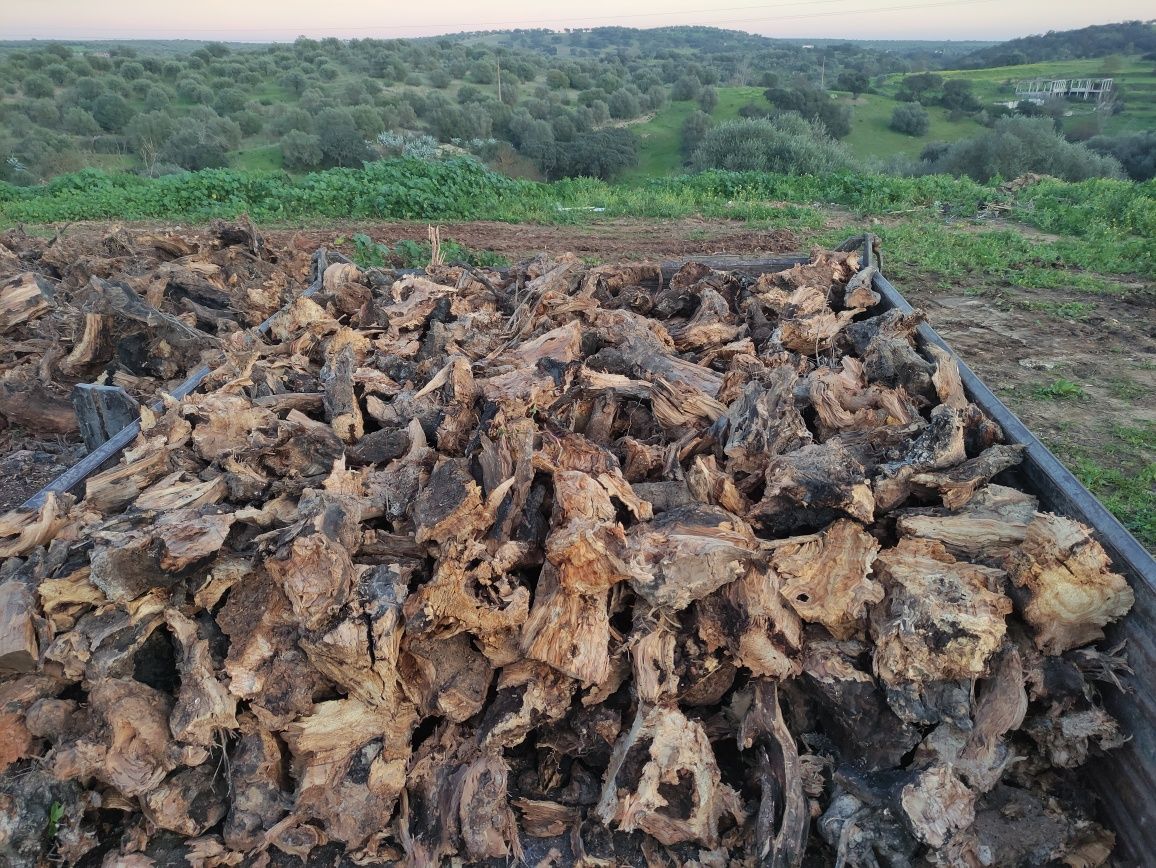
x,y
787,144
82,123
604,154
1016,145
111,111
694,129
342,144
813,104
300,150
687,87
910,118
708,99
623,104
1135,151
38,85
200,143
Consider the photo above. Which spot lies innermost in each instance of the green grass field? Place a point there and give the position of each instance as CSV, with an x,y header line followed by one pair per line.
x,y
661,136
872,137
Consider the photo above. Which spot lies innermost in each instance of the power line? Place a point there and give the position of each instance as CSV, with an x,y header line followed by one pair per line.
x,y
489,25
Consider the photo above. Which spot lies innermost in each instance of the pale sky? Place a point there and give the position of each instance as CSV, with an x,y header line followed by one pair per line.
x,y
283,20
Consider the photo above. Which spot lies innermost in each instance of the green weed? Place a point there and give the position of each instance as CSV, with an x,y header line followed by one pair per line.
x,y
1061,390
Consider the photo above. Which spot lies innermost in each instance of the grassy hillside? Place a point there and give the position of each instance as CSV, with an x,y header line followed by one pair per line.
x,y
661,136
872,137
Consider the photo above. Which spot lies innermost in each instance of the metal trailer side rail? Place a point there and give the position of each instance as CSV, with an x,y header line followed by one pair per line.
x,y
1125,778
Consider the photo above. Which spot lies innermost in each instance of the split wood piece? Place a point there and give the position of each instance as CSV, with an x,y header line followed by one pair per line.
x,y
118,299
102,411
1069,590
749,618
24,297
940,622
783,817
94,346
19,640
987,529
33,406
672,789
826,577
688,552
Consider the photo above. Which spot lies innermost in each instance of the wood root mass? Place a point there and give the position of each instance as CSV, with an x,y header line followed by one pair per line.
x,y
565,565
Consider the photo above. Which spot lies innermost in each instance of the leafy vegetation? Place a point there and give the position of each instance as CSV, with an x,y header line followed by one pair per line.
x,y
785,144
1015,146
1061,389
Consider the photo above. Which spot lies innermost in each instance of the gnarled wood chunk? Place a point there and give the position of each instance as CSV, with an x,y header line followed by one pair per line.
x,y
811,487
807,324
750,618
489,829
852,705
663,779
688,552
936,805
825,577
569,630
188,803
843,400
959,484
450,506
445,677
204,708
188,536
587,544
987,529
941,620
858,294
765,421
1069,589
529,695
712,324
257,781
350,763
126,742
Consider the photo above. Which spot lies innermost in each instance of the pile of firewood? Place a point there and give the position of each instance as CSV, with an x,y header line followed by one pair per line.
x,y
571,565
133,310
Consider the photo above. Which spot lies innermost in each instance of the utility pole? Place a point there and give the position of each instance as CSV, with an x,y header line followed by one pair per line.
x,y
823,73
499,79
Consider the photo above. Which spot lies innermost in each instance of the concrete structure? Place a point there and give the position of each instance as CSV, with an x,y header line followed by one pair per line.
x,y
1038,90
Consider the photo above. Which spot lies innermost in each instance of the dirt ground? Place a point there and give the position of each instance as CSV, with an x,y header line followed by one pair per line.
x,y
1020,341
